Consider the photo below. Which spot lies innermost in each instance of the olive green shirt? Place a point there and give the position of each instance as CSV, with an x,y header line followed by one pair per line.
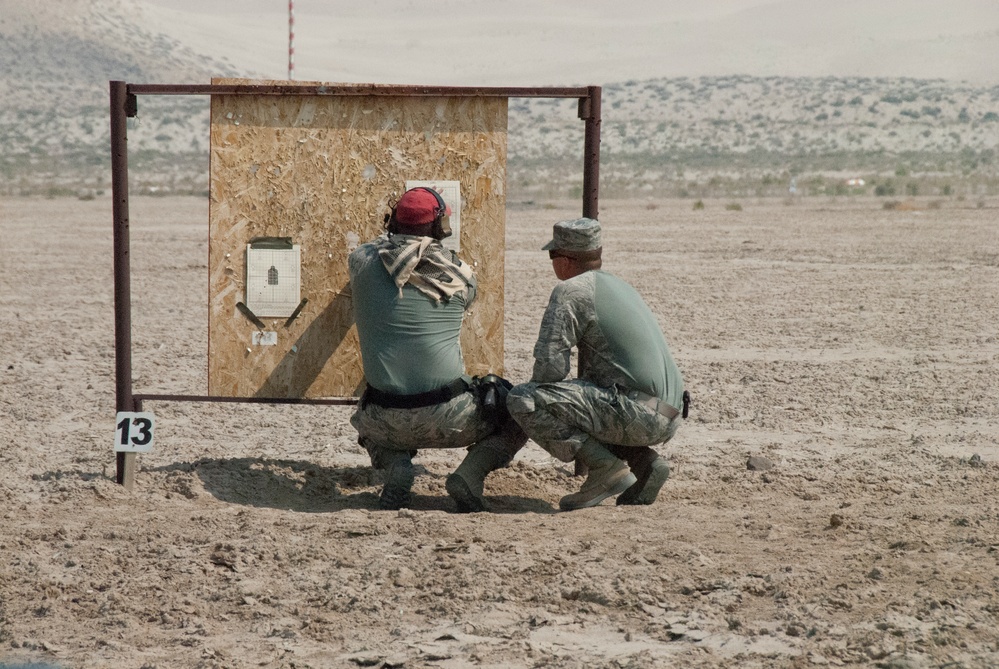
x,y
409,342
618,337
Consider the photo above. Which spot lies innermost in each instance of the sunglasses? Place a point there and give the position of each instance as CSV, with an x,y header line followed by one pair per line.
x,y
552,254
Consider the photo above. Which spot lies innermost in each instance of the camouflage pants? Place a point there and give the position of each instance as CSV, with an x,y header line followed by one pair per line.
x,y
559,417
459,423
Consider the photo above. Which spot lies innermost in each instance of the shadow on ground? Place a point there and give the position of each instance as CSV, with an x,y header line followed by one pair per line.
x,y
298,485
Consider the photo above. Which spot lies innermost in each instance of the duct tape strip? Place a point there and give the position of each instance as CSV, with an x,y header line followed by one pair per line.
x,y
297,311
245,310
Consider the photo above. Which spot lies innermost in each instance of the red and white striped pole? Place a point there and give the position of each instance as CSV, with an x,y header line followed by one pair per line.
x,y
291,39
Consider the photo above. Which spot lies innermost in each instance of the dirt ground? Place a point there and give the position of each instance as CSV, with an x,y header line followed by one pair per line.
x,y
854,348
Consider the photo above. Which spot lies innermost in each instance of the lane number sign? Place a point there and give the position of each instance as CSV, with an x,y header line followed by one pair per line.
x,y
134,431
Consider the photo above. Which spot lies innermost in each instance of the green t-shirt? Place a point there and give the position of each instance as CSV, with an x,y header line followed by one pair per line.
x,y
618,337
409,342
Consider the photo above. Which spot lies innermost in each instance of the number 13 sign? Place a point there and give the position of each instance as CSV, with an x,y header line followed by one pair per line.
x,y
134,432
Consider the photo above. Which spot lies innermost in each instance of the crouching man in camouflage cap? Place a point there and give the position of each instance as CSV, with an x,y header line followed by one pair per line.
x,y
629,391
409,295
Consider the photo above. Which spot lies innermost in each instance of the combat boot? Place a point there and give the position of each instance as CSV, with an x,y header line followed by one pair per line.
x,y
466,484
649,468
608,476
399,477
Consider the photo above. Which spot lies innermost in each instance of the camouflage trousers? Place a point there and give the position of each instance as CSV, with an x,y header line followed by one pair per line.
x,y
559,417
461,422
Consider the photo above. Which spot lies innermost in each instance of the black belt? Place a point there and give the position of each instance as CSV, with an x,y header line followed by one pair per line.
x,y
393,401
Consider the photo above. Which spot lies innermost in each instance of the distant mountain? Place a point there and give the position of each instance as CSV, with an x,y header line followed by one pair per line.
x,y
56,59
751,135
66,49
670,135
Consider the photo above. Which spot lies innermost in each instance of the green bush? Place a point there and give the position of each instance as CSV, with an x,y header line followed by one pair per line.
x,y
884,190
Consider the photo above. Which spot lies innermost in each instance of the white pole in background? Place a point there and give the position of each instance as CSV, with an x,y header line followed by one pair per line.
x,y
291,39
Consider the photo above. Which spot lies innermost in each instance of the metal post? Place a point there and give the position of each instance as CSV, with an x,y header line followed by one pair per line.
x,y
291,39
121,107
589,110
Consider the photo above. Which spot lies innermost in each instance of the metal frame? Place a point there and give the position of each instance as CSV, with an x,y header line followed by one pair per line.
x,y
124,104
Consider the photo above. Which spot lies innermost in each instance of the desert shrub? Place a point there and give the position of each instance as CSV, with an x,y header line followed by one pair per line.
x,y
698,205
884,190
891,204
52,192
733,206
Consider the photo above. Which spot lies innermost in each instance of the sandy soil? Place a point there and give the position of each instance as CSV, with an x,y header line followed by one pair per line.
x,y
852,347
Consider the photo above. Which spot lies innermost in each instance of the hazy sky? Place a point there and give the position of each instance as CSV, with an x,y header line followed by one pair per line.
x,y
573,42
392,10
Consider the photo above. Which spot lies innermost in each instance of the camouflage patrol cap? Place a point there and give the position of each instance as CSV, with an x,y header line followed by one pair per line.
x,y
578,236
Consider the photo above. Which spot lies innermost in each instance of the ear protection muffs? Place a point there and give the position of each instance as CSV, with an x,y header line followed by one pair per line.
x,y
442,224
441,210
440,228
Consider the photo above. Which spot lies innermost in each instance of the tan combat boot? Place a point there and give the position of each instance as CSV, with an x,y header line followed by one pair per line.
x,y
649,468
608,476
399,477
466,484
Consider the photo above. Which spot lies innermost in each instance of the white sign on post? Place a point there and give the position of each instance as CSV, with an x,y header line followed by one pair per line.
x,y
134,432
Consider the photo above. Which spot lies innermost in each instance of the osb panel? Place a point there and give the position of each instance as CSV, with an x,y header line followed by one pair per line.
x,y
322,170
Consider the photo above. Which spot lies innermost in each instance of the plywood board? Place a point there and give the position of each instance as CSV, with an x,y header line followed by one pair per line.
x,y
322,172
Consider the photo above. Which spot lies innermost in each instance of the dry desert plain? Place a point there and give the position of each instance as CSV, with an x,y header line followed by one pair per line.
x,y
855,348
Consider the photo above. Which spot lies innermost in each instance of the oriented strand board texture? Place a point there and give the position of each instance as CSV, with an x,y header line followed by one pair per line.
x,y
322,170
